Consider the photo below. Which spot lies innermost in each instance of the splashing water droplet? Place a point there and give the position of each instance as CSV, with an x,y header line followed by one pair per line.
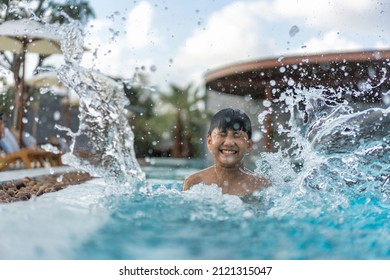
x,y
57,115
293,31
267,103
44,90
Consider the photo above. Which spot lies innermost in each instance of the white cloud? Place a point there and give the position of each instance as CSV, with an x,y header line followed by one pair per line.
x,y
331,14
96,31
234,33
247,30
118,49
331,41
242,30
338,25
139,27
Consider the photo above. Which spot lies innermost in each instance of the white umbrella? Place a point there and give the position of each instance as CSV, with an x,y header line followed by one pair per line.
x,y
23,36
45,79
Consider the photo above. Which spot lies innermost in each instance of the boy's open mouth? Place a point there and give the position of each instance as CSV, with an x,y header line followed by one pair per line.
x,y
228,152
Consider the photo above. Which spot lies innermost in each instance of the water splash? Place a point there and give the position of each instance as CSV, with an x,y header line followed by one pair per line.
x,y
334,153
103,145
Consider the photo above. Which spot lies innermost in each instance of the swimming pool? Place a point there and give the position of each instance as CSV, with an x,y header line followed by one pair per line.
x,y
156,220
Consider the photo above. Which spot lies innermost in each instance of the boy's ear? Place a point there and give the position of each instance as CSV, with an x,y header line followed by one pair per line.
x,y
208,140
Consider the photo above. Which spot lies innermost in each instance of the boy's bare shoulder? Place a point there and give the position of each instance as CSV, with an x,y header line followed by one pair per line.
x,y
196,178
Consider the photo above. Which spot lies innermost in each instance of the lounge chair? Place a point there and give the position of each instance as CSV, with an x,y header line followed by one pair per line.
x,y
31,156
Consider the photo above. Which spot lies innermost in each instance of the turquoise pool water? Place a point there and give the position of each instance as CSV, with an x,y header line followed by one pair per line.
x,y
158,221
167,224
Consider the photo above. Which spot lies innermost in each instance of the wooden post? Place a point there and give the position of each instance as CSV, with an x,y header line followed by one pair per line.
x,y
22,97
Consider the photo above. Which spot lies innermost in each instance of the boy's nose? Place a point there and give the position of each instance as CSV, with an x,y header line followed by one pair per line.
x,y
230,138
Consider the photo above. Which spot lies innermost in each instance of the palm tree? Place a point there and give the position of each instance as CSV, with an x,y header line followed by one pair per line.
x,y
190,118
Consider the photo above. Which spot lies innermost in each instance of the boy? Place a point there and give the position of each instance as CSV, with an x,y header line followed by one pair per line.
x,y
228,140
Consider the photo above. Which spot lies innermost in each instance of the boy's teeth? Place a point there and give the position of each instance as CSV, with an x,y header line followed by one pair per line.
x,y
228,152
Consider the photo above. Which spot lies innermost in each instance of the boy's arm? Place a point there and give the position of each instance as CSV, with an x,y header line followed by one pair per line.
x,y
185,185
188,183
191,180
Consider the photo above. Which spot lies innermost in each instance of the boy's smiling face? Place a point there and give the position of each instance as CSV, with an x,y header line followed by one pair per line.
x,y
228,147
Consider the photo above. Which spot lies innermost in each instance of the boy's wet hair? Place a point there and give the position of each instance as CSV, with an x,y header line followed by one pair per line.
x,y
230,118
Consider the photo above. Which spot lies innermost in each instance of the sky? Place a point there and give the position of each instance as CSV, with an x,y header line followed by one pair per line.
x,y
174,41
179,41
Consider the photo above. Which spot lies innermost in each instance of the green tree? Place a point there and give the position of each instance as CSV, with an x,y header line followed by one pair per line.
x,y
157,118
142,115
190,116
50,10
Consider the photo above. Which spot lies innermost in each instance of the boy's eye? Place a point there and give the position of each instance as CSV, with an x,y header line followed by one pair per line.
x,y
221,134
240,135
236,134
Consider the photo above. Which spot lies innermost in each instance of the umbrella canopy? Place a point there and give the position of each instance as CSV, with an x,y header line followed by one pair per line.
x,y
21,37
27,35
50,79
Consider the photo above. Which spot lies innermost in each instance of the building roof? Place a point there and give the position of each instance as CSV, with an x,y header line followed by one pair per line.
x,y
346,69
